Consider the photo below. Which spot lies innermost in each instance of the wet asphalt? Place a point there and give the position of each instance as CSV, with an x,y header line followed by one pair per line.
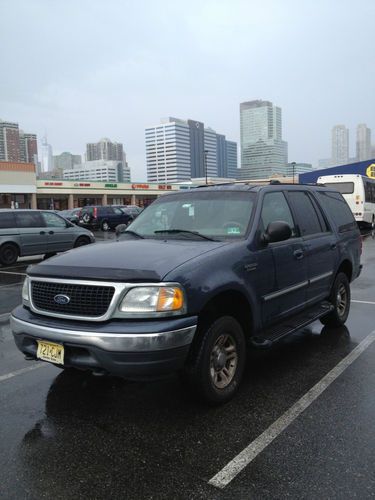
x,y
69,435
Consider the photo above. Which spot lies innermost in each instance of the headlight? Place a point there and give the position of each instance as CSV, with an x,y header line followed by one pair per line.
x,y
154,299
25,290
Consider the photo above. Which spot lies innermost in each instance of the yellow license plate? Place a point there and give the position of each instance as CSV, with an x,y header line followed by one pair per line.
x,y
48,351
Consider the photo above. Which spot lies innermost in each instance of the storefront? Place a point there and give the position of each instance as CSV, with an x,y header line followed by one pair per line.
x,y
17,185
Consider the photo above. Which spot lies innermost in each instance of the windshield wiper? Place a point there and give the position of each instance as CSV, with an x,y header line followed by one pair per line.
x,y
175,231
129,231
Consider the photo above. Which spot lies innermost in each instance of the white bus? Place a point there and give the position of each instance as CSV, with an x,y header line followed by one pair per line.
x,y
358,191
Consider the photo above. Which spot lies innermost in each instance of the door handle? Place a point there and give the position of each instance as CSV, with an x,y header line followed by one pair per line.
x,y
51,232
333,246
42,232
298,254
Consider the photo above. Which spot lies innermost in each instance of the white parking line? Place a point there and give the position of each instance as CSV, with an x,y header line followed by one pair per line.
x,y
363,302
21,371
235,466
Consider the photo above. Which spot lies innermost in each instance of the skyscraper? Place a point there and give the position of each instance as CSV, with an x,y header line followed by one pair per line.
x,y
28,147
263,152
178,150
66,160
363,148
105,149
340,145
9,141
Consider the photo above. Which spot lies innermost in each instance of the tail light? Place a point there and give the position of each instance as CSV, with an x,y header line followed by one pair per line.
x,y
95,212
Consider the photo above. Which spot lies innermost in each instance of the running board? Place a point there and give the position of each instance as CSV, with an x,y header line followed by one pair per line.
x,y
271,335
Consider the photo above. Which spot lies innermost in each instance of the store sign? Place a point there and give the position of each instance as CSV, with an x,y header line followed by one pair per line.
x,y
82,184
164,186
140,186
110,185
53,183
370,171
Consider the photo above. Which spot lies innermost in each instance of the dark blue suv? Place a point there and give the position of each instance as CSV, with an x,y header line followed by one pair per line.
x,y
103,217
196,279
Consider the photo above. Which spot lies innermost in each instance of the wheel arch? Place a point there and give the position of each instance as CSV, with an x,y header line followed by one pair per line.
x,y
346,267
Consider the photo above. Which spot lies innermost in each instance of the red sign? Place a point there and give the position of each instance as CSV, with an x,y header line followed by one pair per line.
x,y
140,186
82,184
164,186
53,183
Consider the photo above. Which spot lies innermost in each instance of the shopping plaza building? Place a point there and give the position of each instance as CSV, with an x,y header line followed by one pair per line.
x,y
19,188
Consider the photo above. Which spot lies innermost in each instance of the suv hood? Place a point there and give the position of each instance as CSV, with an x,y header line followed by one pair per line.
x,y
131,260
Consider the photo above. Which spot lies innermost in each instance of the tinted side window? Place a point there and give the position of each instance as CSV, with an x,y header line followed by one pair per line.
x,y
53,220
339,210
29,219
7,220
117,211
307,217
276,208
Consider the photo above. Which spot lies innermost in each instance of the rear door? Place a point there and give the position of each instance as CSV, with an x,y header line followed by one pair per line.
x,y
288,257
32,229
319,242
60,236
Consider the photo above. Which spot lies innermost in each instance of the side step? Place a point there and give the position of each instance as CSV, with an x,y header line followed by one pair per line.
x,y
290,325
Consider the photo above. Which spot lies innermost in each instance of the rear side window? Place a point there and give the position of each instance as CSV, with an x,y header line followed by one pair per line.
x,y
341,187
7,220
339,210
307,217
29,219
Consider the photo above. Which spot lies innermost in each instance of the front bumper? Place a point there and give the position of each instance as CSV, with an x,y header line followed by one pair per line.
x,y
130,349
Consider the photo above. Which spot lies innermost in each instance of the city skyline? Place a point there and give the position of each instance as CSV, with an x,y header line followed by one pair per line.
x,y
114,85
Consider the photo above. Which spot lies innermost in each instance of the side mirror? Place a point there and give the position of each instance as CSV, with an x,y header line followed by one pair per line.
x,y
121,228
276,231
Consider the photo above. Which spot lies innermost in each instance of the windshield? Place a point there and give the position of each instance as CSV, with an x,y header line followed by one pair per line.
x,y
215,215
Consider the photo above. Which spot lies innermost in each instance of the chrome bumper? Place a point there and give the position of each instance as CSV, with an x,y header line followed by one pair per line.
x,y
115,342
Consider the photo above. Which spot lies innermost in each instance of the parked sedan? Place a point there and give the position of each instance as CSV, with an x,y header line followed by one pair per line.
x,y
71,215
35,232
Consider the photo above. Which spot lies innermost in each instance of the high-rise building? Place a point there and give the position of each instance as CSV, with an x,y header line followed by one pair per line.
x,y
105,149
99,170
16,145
66,160
363,148
340,145
178,150
47,157
9,142
28,148
263,151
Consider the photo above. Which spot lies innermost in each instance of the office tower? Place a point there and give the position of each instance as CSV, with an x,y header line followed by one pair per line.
x,y
226,153
66,160
340,145
99,170
178,150
263,151
47,158
232,164
9,142
363,148
28,148
105,149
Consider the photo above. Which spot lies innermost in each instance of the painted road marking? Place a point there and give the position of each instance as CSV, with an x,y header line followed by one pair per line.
x,y
246,456
4,316
12,272
21,371
363,302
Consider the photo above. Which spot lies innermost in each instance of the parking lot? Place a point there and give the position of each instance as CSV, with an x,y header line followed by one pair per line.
x,y
291,431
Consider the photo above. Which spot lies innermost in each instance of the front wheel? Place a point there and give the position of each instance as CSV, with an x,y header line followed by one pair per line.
x,y
105,226
340,299
81,241
217,366
8,254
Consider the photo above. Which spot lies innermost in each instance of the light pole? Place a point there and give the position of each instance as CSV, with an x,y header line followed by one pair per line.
x,y
205,164
293,167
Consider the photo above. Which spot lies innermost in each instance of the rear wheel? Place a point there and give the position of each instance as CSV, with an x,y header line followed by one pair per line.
x,y
217,367
8,254
105,226
340,299
81,241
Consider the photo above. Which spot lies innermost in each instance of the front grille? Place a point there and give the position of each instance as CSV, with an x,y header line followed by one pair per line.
x,y
85,300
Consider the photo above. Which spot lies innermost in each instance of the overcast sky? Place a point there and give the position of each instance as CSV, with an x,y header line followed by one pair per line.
x,y
82,70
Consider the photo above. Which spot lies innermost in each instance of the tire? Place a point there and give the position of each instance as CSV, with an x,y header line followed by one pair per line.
x,y
105,226
217,366
81,241
48,255
340,299
9,254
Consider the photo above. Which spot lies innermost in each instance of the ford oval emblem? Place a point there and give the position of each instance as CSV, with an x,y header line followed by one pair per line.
x,y
61,299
